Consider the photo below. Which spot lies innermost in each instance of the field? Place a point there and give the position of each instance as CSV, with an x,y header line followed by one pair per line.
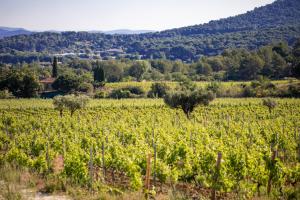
x,y
104,147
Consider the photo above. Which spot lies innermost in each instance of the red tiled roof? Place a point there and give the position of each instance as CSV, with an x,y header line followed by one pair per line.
x,y
47,80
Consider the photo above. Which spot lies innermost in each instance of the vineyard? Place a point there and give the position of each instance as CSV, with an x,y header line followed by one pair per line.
x,y
233,148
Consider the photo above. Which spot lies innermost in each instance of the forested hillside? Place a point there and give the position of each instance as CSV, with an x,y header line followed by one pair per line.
x,y
264,25
6,32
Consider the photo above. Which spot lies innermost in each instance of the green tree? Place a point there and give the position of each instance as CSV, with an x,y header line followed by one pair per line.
x,y
30,86
58,103
113,70
164,66
188,97
70,102
271,104
21,82
203,68
98,71
138,69
282,48
67,83
54,67
296,59
216,63
251,67
178,66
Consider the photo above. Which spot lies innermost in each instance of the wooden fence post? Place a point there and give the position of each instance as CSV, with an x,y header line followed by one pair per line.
x,y
64,147
299,146
91,168
216,175
148,170
154,167
103,161
191,139
48,157
270,176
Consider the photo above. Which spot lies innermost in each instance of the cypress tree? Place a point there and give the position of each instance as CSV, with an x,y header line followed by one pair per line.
x,y
99,75
54,67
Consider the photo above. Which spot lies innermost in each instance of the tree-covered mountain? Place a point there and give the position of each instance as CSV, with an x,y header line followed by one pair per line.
x,y
268,24
278,14
126,31
7,32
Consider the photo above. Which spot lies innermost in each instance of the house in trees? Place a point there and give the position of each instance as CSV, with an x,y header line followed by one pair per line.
x,y
47,84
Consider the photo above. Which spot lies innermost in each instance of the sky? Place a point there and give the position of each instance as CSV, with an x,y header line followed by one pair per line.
x,y
87,15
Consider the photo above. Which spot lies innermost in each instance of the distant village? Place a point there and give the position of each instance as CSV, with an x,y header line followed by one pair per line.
x,y
110,54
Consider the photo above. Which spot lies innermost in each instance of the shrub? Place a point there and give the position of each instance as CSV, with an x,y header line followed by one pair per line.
x,y
158,90
100,95
261,88
86,87
235,91
177,76
98,84
120,93
294,90
214,87
127,92
5,94
248,91
135,90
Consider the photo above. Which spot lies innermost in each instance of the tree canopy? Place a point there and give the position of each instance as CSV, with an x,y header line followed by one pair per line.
x,y
187,97
21,82
70,102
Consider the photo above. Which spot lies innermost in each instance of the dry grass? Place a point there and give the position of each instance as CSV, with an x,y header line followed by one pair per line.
x,y
58,164
9,183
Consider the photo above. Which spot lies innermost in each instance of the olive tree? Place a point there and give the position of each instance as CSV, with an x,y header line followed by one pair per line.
x,y
58,103
271,104
70,102
188,97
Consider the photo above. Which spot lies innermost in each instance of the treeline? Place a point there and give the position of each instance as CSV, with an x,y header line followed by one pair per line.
x,y
272,62
275,61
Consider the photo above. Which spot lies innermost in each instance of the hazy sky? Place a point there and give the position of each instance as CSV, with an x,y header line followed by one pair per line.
x,y
118,14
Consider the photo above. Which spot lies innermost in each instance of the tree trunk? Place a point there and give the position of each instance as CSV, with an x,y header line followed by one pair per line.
x,y
215,179
258,189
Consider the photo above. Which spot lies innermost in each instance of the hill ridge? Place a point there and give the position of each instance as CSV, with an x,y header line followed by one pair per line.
x,y
277,21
